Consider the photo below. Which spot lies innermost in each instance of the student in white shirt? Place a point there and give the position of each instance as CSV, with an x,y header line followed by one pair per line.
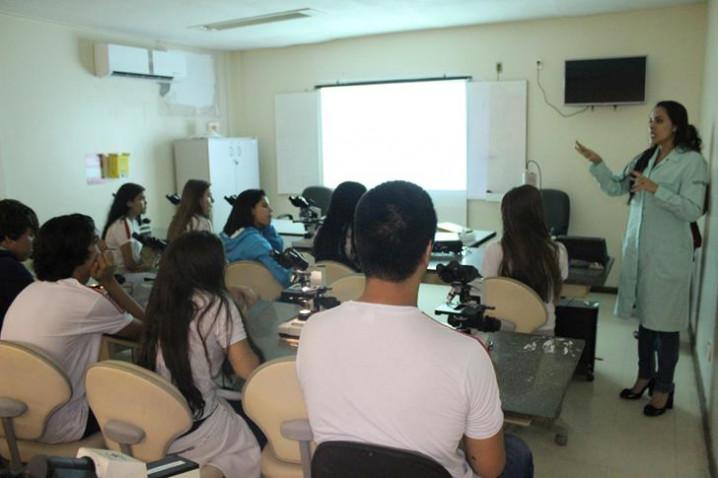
x,y
378,370
526,252
62,316
194,210
122,222
193,326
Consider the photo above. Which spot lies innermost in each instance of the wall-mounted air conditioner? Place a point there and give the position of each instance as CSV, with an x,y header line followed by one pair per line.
x,y
127,61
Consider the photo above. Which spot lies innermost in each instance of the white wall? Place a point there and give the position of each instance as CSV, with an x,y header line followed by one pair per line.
x,y
672,38
54,111
706,338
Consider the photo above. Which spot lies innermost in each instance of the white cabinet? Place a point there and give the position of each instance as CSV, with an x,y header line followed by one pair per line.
x,y
231,165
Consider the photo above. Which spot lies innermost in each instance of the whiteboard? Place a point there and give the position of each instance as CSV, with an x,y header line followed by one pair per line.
x,y
496,135
298,141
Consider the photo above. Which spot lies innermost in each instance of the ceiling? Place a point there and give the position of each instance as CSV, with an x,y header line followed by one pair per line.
x,y
176,21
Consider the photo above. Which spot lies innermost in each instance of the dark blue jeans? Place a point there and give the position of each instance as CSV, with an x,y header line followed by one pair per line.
x,y
665,345
519,460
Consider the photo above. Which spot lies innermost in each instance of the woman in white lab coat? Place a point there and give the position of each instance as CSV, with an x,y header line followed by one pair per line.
x,y
667,187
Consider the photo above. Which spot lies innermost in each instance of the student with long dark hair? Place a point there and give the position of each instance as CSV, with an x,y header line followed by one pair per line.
x,y
192,327
193,212
249,235
335,240
122,221
526,252
666,185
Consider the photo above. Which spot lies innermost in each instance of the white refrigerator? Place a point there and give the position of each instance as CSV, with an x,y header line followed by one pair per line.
x,y
231,165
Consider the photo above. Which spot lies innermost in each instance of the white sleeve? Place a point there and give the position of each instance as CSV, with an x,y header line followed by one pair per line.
x,y
103,316
118,234
492,260
229,327
485,418
563,260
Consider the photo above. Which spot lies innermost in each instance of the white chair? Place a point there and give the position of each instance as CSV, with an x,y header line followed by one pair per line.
x,y
273,399
332,270
349,287
515,302
255,276
140,413
33,386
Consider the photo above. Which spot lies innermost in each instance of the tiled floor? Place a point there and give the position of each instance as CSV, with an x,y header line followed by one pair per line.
x,y
610,437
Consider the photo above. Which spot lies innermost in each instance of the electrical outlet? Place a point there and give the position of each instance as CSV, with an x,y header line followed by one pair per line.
x,y
539,64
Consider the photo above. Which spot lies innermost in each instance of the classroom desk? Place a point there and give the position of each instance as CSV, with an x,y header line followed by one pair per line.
x,y
533,371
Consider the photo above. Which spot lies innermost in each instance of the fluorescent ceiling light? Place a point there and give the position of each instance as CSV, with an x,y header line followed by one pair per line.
x,y
258,20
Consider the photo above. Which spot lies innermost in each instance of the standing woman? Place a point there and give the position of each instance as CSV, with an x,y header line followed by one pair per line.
x,y
526,252
334,240
249,235
192,326
193,212
122,222
667,187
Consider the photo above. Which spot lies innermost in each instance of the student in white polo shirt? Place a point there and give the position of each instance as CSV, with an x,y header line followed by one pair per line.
x,y
62,316
378,370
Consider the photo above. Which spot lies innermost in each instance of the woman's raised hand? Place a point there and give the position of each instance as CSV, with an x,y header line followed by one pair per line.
x,y
587,153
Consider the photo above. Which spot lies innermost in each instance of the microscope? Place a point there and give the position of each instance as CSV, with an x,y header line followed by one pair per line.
x,y
464,311
309,213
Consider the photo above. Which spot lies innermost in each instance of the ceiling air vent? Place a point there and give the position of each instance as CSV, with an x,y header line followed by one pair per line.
x,y
258,20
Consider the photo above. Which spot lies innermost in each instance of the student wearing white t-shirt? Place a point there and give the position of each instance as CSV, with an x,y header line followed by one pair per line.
x,y
194,210
378,370
192,327
129,203
526,252
62,316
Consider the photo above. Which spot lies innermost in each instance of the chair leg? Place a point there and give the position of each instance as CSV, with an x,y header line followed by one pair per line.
x,y
306,457
15,462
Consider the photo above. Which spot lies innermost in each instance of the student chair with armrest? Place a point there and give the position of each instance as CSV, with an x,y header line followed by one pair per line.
x,y
557,211
33,386
273,399
332,270
140,413
343,459
254,275
515,302
349,287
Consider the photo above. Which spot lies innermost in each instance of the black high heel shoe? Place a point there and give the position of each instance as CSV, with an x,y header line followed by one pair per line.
x,y
629,394
651,411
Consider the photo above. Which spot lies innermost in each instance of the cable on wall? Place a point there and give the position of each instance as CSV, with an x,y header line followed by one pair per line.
x,y
539,67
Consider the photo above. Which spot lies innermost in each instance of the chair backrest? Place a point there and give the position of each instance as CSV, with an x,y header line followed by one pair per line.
x,y
515,302
271,396
30,376
126,393
332,270
557,210
349,287
254,275
319,195
342,459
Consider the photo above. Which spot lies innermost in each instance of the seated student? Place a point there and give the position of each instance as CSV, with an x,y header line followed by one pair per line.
x,y
193,212
249,235
334,240
122,221
192,327
378,370
66,319
526,252
18,226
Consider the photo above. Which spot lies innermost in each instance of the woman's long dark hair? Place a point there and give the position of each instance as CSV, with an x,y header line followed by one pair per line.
x,y
127,192
189,205
241,215
685,137
529,254
330,241
193,263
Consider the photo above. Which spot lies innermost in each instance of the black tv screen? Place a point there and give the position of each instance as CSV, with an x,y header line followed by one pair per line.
x,y
605,81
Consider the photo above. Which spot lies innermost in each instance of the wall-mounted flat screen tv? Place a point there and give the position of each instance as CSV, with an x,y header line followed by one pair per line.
x,y
605,81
